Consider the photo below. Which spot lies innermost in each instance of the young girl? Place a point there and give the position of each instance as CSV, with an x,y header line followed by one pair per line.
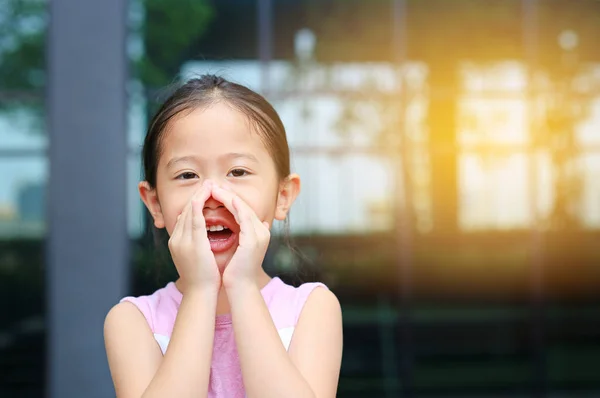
x,y
217,174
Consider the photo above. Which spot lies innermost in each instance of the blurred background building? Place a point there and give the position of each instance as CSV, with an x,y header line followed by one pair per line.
x,y
450,156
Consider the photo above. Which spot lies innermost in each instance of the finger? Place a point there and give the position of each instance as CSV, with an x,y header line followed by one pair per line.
x,y
182,219
250,216
226,197
183,225
200,193
179,224
187,225
241,211
261,228
198,223
247,217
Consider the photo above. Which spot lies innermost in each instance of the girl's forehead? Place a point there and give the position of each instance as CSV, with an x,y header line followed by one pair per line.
x,y
213,130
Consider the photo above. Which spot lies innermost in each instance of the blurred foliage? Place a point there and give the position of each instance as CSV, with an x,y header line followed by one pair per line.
x,y
167,31
23,26
170,32
555,136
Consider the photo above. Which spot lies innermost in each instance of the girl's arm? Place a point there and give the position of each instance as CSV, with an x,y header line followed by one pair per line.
x,y
136,363
310,369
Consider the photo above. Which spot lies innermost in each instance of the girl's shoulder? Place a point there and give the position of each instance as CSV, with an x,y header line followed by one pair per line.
x,y
159,308
286,302
285,299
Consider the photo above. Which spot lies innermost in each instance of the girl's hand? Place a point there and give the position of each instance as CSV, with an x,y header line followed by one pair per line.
x,y
190,248
254,237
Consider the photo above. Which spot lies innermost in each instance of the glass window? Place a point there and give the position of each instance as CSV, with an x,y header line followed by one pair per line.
x,y
23,182
22,197
460,132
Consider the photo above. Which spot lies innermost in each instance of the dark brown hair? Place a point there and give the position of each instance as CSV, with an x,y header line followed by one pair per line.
x,y
208,90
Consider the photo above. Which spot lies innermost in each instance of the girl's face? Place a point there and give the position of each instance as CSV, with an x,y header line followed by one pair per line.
x,y
218,144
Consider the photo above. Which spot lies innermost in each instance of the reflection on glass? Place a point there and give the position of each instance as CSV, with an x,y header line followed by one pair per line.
x,y
22,126
23,197
342,194
497,119
135,207
136,116
587,132
590,206
494,192
23,26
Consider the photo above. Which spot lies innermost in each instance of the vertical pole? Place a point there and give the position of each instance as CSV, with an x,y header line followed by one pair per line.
x,y
265,42
87,249
537,310
404,218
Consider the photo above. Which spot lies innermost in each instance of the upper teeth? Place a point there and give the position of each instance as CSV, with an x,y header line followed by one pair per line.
x,y
215,228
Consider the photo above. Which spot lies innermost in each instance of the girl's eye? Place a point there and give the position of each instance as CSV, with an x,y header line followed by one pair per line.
x,y
188,175
237,173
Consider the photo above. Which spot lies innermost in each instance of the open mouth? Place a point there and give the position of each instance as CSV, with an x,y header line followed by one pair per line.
x,y
221,237
218,232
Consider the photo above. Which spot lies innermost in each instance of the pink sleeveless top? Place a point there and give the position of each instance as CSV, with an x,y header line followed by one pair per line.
x,y
284,302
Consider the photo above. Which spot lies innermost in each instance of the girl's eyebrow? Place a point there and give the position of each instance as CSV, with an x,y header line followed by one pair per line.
x,y
181,159
227,156
240,155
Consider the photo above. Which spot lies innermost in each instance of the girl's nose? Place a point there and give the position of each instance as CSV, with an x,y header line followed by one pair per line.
x,y
211,203
223,183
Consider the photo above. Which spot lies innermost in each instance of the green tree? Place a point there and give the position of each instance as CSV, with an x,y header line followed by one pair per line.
x,y
168,31
22,30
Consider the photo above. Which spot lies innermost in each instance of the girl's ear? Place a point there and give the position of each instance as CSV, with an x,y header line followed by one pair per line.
x,y
150,198
288,192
